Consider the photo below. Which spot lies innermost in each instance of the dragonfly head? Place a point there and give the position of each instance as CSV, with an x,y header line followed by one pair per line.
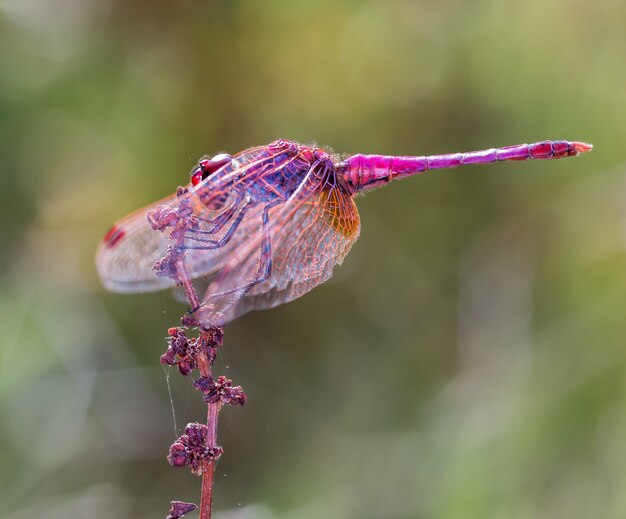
x,y
207,167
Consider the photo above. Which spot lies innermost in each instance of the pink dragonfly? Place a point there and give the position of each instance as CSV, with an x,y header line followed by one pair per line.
x,y
267,225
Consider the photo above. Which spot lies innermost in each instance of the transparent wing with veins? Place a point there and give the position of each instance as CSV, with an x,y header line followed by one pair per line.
x,y
128,253
130,249
295,250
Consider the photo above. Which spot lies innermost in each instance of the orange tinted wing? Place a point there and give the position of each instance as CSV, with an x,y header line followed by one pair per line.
x,y
308,238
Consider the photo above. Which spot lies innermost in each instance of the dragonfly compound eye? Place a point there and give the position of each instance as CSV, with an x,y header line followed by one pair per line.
x,y
207,167
196,176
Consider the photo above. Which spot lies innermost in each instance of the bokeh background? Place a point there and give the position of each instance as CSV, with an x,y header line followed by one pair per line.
x,y
468,360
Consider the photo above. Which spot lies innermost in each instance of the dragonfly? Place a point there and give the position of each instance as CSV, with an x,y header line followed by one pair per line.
x,y
267,225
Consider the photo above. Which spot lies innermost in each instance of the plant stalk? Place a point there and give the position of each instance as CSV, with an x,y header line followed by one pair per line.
x,y
213,409
208,469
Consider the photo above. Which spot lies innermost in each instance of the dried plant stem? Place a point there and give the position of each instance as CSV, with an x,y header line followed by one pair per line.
x,y
198,447
204,367
208,469
185,280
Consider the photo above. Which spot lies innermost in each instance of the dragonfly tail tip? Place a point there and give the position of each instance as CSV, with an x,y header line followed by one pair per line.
x,y
582,147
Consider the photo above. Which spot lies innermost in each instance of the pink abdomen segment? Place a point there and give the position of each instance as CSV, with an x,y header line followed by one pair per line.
x,y
363,172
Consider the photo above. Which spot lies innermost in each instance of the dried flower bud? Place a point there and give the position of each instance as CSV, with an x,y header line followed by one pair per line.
x,y
214,453
215,336
204,384
220,390
169,357
197,433
189,320
178,456
186,366
181,351
191,449
202,346
161,217
178,341
234,396
180,508
166,267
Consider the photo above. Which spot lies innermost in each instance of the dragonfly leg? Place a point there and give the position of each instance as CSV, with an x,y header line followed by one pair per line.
x,y
220,220
207,244
265,264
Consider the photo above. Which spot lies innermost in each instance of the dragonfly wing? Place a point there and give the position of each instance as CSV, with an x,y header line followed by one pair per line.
x,y
308,237
130,249
315,235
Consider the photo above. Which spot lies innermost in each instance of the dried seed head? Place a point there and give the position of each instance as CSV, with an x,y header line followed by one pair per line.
x,y
220,390
181,351
191,449
180,508
215,336
178,456
196,433
189,320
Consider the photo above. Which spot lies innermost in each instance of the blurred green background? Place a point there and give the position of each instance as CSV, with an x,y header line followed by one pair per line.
x,y
468,360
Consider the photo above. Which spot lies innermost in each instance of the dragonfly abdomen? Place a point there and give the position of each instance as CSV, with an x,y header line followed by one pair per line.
x,y
364,172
